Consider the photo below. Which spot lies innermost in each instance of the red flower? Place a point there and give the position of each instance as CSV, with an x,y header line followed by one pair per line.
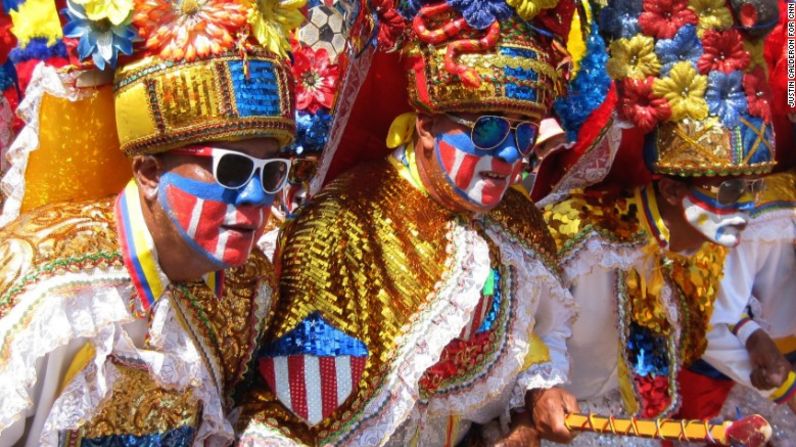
x,y
758,94
724,51
654,393
662,18
641,106
316,79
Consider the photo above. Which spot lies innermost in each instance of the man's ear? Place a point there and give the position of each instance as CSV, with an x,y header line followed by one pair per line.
x,y
672,191
146,172
425,135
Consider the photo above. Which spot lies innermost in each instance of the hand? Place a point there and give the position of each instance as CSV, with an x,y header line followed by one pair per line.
x,y
769,366
548,409
522,432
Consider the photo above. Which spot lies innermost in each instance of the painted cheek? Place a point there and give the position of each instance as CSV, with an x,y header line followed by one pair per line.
x,y
459,165
200,219
201,222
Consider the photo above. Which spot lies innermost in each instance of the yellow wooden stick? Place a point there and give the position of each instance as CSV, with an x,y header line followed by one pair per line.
x,y
751,431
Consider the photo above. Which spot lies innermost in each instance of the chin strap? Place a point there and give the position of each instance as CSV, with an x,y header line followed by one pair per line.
x,y
749,431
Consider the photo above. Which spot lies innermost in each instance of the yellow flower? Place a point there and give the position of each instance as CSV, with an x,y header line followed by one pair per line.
x,y
684,89
114,10
634,57
273,20
528,9
713,14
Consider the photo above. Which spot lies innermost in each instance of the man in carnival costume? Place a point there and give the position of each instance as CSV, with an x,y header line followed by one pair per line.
x,y
418,293
751,340
640,274
752,333
130,320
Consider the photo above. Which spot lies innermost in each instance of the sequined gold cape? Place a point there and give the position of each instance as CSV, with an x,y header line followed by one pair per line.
x,y
383,263
664,299
63,280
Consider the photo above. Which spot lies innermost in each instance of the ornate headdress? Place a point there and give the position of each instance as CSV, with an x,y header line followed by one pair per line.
x,y
449,56
464,56
692,75
182,72
208,70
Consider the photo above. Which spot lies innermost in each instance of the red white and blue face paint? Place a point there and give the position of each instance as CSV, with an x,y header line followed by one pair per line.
x,y
220,224
719,223
479,177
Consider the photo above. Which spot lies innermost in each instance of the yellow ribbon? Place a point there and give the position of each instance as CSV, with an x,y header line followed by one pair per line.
x,y
401,130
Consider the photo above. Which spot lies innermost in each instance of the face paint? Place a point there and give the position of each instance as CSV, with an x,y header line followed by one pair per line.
x,y
721,224
479,177
220,224
291,197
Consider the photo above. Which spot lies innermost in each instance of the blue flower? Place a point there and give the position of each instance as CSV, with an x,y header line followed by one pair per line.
x,y
684,46
621,18
101,40
725,96
312,132
647,352
480,14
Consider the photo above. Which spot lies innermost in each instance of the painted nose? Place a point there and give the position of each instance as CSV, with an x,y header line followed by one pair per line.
x,y
253,193
508,150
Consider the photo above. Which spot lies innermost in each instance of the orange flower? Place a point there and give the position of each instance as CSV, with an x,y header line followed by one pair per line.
x,y
189,29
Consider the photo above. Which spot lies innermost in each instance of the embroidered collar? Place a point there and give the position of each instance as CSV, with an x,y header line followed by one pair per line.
x,y
139,254
645,197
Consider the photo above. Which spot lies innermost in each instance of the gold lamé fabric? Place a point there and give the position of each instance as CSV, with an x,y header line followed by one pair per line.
x,y
54,238
519,217
613,215
366,253
139,407
697,278
228,328
82,238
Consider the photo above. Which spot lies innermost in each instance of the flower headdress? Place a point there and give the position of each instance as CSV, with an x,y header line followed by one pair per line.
x,y
695,82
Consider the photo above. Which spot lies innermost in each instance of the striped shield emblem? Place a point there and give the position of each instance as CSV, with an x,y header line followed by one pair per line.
x,y
313,368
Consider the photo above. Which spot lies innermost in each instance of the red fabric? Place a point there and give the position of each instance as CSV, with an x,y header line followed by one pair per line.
x,y
776,60
557,164
7,39
382,97
702,396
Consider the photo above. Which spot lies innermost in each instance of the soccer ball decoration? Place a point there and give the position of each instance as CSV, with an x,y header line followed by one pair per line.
x,y
325,28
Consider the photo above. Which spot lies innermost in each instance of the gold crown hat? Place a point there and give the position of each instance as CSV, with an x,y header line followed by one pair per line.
x,y
206,70
480,57
691,74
